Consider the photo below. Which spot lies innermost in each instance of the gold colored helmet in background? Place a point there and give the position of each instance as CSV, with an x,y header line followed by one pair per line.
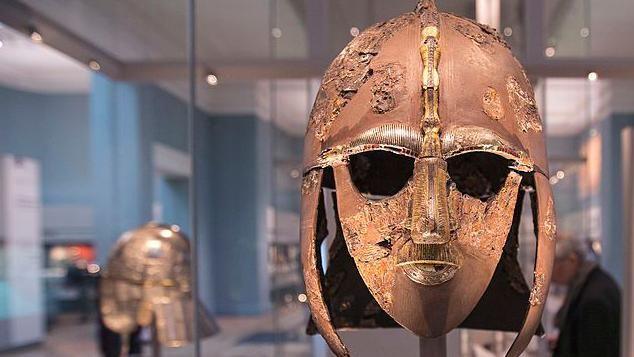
x,y
148,282
427,128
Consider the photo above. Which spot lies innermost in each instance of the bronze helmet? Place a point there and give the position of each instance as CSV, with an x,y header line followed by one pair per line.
x,y
427,128
147,282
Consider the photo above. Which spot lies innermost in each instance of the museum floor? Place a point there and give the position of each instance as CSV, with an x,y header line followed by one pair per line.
x,y
240,337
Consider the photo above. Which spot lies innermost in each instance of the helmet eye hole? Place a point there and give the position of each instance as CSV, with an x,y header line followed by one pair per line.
x,y
480,175
379,174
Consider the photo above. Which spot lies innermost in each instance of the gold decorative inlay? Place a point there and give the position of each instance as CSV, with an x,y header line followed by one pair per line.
x,y
309,182
430,54
492,105
550,222
430,210
524,106
429,256
538,293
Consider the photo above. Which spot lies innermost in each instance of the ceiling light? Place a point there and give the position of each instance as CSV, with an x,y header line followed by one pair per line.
x,y
354,31
35,35
276,32
94,65
550,51
93,268
212,79
561,174
584,32
593,76
508,31
554,180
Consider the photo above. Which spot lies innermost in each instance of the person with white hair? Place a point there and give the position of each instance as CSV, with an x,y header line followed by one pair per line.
x,y
589,319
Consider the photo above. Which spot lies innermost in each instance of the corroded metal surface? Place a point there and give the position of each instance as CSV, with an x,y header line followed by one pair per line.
x,y
310,182
524,106
418,94
538,295
483,35
147,282
379,238
479,222
492,104
387,83
550,223
348,72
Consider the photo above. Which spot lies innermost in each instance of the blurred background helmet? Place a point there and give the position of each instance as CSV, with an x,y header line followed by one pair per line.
x,y
147,282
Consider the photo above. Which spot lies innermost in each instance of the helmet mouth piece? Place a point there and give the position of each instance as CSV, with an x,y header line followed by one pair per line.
x,y
430,273
435,264
429,264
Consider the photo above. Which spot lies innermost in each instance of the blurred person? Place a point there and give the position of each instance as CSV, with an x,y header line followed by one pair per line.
x,y
589,318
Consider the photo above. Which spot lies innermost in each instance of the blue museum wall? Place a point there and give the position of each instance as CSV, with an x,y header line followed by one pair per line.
x,y
242,149
126,120
121,159
239,185
173,195
288,151
264,203
52,128
611,193
166,116
570,204
207,254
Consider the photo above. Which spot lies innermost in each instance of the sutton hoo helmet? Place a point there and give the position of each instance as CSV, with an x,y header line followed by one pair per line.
x,y
426,127
147,282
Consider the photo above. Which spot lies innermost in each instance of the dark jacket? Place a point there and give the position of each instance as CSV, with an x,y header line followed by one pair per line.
x,y
591,325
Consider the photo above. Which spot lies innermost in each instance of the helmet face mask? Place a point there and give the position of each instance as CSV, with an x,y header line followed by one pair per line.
x,y
429,150
445,264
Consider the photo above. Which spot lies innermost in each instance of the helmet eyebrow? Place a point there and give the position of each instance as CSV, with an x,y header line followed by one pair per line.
x,y
397,138
405,140
460,140
391,136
